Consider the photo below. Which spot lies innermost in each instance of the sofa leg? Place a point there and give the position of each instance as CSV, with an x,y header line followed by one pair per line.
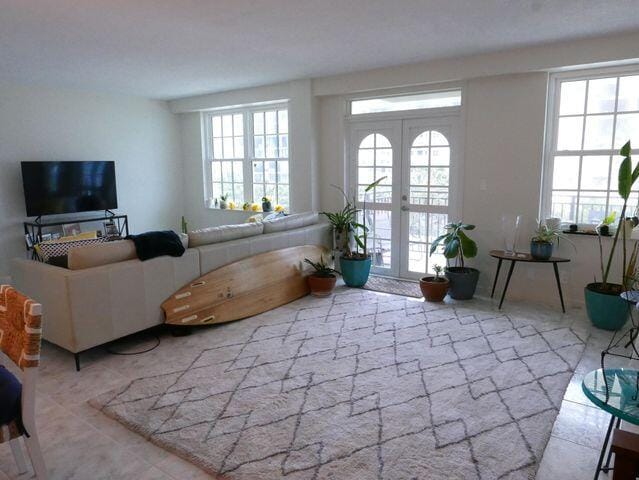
x,y
77,361
179,331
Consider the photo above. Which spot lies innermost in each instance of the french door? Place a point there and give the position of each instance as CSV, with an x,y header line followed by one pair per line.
x,y
420,192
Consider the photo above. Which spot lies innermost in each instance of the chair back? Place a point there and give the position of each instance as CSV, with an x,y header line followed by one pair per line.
x,y
20,327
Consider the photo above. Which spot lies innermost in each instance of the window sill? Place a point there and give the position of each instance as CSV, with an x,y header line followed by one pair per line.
x,y
583,233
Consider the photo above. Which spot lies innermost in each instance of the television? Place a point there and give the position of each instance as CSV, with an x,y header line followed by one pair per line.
x,y
68,187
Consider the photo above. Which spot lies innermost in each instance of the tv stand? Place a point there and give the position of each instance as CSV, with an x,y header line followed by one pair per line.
x,y
33,229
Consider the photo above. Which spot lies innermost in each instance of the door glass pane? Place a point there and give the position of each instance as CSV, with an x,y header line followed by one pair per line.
x,y
379,236
429,167
375,161
423,229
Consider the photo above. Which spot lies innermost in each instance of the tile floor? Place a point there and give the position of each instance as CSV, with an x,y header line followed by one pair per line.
x,y
81,443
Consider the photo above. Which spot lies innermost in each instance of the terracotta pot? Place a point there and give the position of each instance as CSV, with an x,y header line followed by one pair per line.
x,y
434,291
321,286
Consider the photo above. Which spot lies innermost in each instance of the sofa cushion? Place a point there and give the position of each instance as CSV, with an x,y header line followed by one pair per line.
x,y
101,254
297,220
206,236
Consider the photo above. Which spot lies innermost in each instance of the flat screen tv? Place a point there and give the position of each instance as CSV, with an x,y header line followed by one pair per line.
x,y
68,187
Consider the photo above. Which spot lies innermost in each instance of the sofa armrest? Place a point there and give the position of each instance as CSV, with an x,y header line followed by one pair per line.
x,y
47,285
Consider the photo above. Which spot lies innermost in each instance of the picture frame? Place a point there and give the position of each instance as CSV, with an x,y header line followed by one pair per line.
x,y
71,229
111,229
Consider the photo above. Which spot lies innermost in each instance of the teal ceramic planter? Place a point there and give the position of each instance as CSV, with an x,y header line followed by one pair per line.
x,y
355,272
541,250
606,310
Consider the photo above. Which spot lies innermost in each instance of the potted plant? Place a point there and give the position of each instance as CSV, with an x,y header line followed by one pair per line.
x,y
322,280
266,205
342,223
457,245
356,265
606,309
223,199
434,288
541,245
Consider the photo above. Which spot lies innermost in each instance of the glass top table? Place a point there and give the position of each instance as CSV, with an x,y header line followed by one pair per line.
x,y
617,393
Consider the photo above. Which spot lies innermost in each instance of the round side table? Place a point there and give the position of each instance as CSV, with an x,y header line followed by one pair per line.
x,y
616,391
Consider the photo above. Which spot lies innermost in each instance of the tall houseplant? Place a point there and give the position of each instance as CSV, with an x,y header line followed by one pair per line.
x,y
457,246
606,309
355,264
342,223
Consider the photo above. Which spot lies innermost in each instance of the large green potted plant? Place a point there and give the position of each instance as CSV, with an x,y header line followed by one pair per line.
x,y
458,245
342,223
356,265
606,309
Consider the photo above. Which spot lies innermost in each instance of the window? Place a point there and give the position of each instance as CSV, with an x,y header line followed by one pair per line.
x,y
270,155
451,98
593,116
247,151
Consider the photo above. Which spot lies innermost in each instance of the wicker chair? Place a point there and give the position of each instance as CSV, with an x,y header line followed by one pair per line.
x,y
20,333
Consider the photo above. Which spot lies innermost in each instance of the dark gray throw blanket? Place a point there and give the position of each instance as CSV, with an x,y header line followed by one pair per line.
x,y
155,244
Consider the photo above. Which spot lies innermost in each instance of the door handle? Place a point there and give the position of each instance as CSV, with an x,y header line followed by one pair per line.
x,y
405,208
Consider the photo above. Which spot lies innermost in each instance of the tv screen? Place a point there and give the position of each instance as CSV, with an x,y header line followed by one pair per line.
x,y
68,187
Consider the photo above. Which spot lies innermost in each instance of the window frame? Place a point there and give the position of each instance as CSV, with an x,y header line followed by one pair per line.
x,y
552,127
247,112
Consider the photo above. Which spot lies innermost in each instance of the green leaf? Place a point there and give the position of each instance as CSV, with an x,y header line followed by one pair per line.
x,y
625,150
436,243
469,247
468,226
359,225
625,178
374,184
359,241
451,249
610,219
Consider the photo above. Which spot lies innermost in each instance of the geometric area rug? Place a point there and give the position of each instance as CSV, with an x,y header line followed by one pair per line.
x,y
358,386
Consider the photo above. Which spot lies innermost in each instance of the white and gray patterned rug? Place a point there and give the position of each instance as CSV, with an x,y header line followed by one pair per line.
x,y
361,386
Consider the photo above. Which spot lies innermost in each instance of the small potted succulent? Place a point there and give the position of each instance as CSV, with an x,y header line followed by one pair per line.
x,y
223,199
434,288
267,206
246,207
322,280
458,245
541,245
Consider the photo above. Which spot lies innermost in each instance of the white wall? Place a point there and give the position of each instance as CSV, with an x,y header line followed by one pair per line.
x,y
505,101
140,135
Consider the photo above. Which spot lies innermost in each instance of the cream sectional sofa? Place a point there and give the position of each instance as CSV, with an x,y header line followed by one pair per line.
x,y
92,306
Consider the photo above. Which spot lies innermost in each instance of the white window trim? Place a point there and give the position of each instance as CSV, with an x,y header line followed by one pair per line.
x,y
552,125
249,153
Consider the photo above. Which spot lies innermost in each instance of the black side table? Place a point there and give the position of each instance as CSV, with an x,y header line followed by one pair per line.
x,y
501,255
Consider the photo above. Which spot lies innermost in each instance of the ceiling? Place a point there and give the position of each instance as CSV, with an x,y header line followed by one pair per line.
x,y
170,49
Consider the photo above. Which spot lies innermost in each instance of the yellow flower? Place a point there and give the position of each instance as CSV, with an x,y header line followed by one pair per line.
x,y
232,205
255,207
279,208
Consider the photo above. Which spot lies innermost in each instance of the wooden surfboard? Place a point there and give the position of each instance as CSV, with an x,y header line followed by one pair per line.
x,y
244,288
